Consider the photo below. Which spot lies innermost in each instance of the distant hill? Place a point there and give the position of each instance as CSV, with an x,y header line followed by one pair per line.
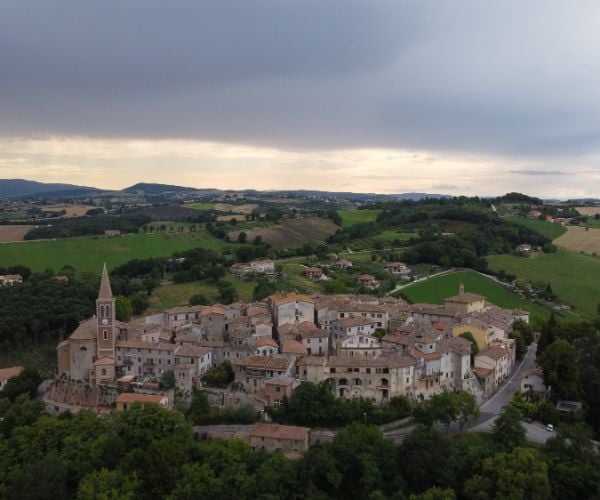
x,y
362,196
17,188
156,189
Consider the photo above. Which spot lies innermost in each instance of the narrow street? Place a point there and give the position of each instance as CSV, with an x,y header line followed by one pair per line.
x,y
536,432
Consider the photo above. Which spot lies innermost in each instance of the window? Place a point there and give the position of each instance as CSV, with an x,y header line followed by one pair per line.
x,y
103,371
105,335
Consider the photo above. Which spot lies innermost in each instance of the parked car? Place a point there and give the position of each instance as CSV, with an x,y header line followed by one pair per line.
x,y
550,428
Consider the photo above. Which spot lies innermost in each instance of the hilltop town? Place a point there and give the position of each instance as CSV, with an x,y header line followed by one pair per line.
x,y
363,346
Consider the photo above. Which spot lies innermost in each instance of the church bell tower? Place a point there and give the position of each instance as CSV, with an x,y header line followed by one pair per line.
x,y
105,314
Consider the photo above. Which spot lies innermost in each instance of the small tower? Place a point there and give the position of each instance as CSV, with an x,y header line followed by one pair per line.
x,y
105,315
461,289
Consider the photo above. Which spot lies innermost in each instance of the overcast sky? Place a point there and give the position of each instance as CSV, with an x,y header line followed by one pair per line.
x,y
447,96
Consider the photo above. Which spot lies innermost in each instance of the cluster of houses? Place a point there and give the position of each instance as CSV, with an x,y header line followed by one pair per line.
x,y
10,279
361,345
267,267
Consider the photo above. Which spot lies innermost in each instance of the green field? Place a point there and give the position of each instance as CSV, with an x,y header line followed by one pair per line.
x,y
88,253
435,290
351,217
201,206
174,295
547,229
574,277
593,223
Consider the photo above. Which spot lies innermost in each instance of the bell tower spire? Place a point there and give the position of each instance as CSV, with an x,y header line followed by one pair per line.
x,y
105,314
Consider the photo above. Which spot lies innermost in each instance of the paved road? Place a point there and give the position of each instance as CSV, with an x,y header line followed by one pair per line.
x,y
494,405
490,410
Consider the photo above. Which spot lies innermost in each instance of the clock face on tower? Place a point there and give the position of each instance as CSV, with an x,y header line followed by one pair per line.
x,y
105,321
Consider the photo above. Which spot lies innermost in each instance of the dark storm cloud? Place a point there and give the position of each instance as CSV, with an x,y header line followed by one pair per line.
x,y
468,76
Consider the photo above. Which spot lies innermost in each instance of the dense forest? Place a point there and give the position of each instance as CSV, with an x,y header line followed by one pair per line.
x,y
150,452
457,232
88,226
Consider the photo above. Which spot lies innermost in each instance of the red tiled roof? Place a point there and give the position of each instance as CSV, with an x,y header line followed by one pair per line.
x,y
265,341
293,347
13,371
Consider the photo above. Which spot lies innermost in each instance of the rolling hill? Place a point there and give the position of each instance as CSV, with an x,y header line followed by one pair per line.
x,y
17,188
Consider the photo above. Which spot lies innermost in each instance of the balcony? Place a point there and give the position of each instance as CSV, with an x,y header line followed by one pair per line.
x,y
427,376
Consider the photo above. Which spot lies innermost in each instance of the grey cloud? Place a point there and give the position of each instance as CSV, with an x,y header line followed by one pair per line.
x,y
466,76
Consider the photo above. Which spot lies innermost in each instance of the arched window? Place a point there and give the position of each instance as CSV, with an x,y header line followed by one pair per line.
x,y
105,334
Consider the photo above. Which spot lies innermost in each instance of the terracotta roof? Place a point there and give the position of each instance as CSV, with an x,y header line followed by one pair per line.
x,y
263,362
130,397
265,341
87,330
307,326
429,356
312,334
343,262
191,351
13,371
277,431
105,361
280,381
465,298
256,311
240,265
439,325
482,372
494,352
288,328
455,344
64,343
290,297
293,347
211,343
312,360
105,291
366,277
434,309
399,338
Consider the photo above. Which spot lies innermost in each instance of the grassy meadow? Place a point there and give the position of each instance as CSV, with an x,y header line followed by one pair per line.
x,y
574,277
547,229
436,289
200,206
88,253
178,294
351,217
392,235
